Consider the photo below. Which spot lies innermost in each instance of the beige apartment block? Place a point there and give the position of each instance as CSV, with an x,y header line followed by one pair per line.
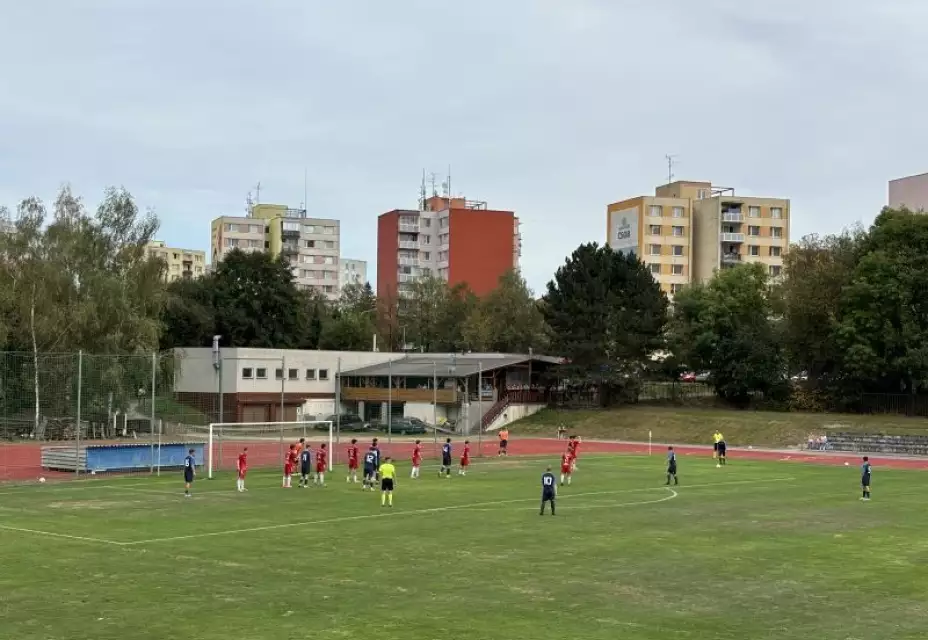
x,y
310,245
181,263
689,230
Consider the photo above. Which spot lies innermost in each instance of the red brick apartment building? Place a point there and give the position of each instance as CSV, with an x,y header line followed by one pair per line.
x,y
458,240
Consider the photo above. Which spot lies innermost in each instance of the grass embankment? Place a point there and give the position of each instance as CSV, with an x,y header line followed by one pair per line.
x,y
686,425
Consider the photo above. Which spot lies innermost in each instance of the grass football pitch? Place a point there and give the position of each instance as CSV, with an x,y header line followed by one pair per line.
x,y
753,550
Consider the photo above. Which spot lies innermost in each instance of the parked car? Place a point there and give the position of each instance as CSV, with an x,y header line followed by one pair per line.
x,y
346,422
401,426
688,376
702,376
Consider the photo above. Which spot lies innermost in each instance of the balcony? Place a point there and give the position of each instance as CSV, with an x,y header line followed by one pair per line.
x,y
731,237
732,216
378,394
409,244
407,227
408,262
406,277
731,258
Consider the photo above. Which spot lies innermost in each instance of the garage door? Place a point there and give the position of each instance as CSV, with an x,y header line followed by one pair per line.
x,y
254,413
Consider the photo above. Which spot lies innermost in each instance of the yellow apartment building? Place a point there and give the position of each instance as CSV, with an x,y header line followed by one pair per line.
x,y
181,263
688,230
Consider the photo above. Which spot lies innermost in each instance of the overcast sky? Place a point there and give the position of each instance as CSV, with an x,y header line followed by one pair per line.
x,y
551,108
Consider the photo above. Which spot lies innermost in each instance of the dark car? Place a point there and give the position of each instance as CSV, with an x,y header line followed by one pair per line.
x,y
346,422
402,426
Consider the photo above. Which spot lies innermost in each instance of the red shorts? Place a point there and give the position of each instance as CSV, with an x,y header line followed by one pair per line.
x,y
416,462
352,465
320,467
288,469
465,462
565,468
241,473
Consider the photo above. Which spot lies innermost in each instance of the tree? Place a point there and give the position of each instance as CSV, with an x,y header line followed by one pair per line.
x,y
727,327
188,318
606,314
882,332
352,323
508,319
817,271
257,304
423,314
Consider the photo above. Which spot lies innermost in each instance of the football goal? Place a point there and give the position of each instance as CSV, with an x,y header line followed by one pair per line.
x,y
267,442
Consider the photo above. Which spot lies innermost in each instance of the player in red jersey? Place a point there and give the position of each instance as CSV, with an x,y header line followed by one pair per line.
x,y
566,469
322,461
353,461
465,459
416,460
242,467
289,465
576,454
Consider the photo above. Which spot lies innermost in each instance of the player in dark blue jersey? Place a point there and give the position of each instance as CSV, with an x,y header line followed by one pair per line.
x,y
375,447
370,468
671,466
445,467
548,491
865,471
190,472
306,460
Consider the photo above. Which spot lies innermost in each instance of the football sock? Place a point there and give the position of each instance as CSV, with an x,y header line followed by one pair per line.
x,y
552,507
383,499
390,499
321,478
668,478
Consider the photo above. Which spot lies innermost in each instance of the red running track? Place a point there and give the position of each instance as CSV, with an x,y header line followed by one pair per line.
x,y
22,461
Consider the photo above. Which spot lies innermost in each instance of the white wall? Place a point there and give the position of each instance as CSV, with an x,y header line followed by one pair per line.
x,y
196,373
423,411
514,412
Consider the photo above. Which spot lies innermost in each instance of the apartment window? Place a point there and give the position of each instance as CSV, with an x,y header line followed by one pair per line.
x,y
261,373
654,249
702,194
443,222
753,250
308,228
231,242
291,226
247,373
678,231
775,270
231,228
426,239
655,230
776,252
776,212
278,374
675,288
754,212
753,230
776,232
678,249
676,269
254,244
309,244
255,228
328,231
329,244
426,255
678,212
329,260
323,374
656,210
426,222
655,268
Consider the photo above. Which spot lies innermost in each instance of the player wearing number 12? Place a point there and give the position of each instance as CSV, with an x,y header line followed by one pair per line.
x,y
387,482
548,491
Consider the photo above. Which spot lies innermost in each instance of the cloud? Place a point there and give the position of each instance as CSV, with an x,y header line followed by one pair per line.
x,y
550,108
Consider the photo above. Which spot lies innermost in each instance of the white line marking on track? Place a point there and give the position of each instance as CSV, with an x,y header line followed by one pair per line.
x,y
52,534
458,507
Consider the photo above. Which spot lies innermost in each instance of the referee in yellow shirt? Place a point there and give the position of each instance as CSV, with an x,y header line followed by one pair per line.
x,y
716,439
387,482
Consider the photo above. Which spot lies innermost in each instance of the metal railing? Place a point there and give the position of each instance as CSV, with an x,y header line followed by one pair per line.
x,y
731,237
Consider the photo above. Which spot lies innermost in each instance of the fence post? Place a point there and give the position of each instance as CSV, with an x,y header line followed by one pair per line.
x,y
154,370
77,437
280,417
480,406
389,401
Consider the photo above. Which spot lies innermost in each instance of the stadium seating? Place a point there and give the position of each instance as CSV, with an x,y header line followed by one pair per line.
x,y
916,445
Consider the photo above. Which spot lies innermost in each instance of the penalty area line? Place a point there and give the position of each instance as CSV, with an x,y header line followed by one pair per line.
x,y
409,512
52,534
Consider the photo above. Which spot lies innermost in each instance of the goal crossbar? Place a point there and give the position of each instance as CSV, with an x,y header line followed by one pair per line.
x,y
271,439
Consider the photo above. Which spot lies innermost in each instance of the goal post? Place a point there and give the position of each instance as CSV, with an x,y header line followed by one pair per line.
x,y
267,442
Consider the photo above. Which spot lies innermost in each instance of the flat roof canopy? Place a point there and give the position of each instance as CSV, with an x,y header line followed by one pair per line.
x,y
447,365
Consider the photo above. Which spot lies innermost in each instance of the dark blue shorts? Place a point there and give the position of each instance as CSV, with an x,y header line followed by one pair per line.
x,y
188,475
446,461
368,471
304,469
865,481
547,495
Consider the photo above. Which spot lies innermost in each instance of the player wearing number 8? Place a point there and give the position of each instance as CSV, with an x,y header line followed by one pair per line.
x,y
548,491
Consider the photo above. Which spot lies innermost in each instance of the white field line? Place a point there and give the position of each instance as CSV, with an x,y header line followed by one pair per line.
x,y
476,505
51,534
600,505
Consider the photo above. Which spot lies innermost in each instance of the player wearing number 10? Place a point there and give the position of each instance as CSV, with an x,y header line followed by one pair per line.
x,y
548,491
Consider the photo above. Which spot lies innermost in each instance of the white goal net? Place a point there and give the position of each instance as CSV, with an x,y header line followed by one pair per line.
x,y
267,442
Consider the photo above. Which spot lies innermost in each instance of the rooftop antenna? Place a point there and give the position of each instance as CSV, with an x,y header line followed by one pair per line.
x,y
305,190
258,193
433,178
422,193
249,204
671,158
